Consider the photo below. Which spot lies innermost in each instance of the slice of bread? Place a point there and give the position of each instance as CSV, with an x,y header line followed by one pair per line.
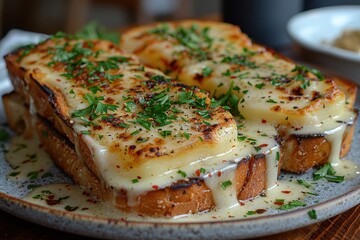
x,y
105,152
300,102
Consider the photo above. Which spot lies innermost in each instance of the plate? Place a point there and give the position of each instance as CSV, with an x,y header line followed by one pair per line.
x,y
315,29
327,204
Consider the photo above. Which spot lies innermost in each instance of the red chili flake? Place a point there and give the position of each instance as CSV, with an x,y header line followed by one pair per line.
x,y
263,145
210,175
279,203
90,200
263,120
117,166
242,204
156,187
97,127
286,192
138,177
197,172
260,211
219,173
51,201
85,193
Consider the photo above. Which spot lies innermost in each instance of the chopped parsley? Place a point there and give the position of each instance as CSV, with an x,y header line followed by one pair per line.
x,y
70,208
165,133
25,51
277,156
135,180
230,100
327,172
271,101
259,85
304,70
181,173
292,204
33,175
206,71
195,39
202,170
226,184
95,109
312,214
4,135
239,60
304,183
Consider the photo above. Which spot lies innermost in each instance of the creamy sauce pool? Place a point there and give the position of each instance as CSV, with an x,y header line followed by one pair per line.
x,y
28,160
72,198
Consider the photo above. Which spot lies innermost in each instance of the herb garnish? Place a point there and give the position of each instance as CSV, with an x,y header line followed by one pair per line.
x,y
292,204
304,183
239,60
312,214
95,109
304,70
327,172
206,71
70,208
4,135
194,38
226,184
181,173
230,100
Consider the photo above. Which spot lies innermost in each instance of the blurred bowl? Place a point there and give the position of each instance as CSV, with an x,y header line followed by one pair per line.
x,y
316,29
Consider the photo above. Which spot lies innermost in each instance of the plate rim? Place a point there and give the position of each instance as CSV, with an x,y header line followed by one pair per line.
x,y
345,201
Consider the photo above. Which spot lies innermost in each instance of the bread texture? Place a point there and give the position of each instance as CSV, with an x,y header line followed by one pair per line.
x,y
266,86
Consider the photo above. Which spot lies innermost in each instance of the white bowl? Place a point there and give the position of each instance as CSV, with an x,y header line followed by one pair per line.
x,y
315,29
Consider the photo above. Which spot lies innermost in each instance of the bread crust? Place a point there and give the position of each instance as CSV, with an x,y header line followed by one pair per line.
x,y
300,152
182,197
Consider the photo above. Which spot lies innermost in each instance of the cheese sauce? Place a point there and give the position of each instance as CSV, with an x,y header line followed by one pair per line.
x,y
28,159
72,198
135,153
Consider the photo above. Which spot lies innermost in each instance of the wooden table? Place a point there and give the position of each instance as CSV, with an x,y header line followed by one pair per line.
x,y
343,226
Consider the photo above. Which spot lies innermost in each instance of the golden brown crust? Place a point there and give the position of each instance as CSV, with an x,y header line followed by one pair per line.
x,y
181,198
301,153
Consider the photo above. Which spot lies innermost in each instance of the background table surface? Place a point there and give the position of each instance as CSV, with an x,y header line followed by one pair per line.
x,y
342,226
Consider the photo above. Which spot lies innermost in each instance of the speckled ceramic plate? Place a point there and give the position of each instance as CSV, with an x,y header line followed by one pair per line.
x,y
333,199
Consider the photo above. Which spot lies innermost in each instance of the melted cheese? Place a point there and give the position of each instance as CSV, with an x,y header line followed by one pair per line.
x,y
120,159
272,92
269,88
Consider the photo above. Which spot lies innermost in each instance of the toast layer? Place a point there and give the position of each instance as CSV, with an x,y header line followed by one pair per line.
x,y
260,85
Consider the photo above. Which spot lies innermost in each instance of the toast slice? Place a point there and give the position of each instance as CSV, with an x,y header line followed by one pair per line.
x,y
261,86
131,135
